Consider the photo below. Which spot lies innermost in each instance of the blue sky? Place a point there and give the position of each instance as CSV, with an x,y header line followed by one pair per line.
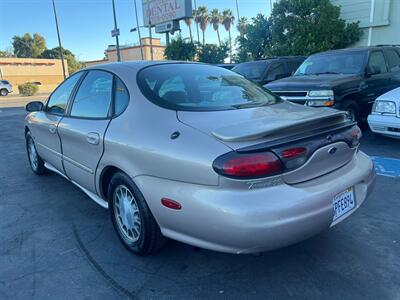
x,y
85,25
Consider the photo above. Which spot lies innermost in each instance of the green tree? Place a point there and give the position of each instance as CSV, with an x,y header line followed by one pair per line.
x,y
242,25
227,21
254,39
202,18
28,46
215,20
73,64
213,54
303,27
179,49
6,53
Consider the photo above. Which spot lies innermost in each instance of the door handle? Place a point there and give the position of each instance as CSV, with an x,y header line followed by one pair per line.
x,y
52,128
93,138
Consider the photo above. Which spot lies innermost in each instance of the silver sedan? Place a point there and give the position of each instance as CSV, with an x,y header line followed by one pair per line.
x,y
199,154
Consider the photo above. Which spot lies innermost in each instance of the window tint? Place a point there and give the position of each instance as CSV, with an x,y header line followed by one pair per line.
x,y
200,87
121,96
94,96
393,59
59,99
293,65
252,70
276,71
377,61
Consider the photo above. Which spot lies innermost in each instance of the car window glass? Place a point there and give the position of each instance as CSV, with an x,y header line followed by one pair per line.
x,y
293,65
393,59
377,62
121,96
94,96
171,86
59,99
252,70
201,87
276,71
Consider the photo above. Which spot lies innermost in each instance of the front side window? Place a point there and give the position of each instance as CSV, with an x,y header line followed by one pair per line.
x,y
94,96
196,87
377,62
351,62
252,70
57,102
393,60
276,71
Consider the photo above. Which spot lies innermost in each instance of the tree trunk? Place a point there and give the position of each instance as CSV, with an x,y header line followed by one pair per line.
x,y
219,38
230,46
190,33
204,37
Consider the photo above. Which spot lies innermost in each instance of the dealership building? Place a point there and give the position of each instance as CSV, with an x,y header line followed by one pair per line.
x,y
379,19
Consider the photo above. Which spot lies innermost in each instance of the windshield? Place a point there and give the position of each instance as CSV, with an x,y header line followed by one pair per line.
x,y
333,63
251,70
197,87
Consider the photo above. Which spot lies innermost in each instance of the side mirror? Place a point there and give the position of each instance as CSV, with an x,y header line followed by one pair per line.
x,y
372,70
34,106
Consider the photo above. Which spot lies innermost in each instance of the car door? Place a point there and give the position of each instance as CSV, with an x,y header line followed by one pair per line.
x,y
43,124
83,127
379,83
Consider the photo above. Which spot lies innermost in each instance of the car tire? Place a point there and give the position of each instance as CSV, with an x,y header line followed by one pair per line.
x,y
35,161
131,217
3,92
353,109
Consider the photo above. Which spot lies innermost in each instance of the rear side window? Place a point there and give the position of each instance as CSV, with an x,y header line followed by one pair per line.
x,y
252,70
58,100
377,61
393,59
94,96
5,82
198,87
121,96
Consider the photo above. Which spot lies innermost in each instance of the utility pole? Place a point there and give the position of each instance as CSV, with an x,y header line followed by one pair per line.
x,y
197,25
138,29
115,31
151,41
59,39
237,10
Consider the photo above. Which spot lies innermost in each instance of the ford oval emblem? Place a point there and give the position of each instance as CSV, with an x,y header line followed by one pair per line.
x,y
332,150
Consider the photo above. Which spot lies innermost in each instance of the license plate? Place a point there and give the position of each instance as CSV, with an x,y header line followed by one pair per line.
x,y
343,203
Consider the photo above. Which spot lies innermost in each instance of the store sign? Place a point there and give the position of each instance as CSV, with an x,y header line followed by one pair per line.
x,y
161,11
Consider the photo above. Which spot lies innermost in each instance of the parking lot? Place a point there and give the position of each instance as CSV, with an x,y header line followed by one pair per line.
x,y
56,243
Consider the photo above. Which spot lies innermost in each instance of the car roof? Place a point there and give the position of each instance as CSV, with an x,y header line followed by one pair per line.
x,y
356,49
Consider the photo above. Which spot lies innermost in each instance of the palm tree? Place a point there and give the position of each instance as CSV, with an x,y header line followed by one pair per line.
x,y
227,21
188,22
215,20
242,25
202,18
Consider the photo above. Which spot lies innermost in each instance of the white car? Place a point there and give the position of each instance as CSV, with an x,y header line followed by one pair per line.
x,y
385,116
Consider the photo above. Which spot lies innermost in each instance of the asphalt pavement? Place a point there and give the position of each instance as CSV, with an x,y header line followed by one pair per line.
x,y
55,243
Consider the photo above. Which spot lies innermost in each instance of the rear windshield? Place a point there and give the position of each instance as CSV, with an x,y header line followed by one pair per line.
x,y
197,87
351,62
252,70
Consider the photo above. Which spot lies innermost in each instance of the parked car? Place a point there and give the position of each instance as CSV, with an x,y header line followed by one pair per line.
x,y
267,70
5,87
227,66
385,116
348,79
198,154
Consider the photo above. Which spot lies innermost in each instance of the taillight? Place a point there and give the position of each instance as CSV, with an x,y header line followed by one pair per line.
x,y
248,166
356,135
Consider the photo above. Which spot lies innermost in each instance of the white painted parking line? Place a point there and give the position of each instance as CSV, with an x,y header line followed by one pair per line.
x,y
385,166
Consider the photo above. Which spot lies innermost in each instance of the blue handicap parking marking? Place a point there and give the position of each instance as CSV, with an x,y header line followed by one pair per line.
x,y
385,166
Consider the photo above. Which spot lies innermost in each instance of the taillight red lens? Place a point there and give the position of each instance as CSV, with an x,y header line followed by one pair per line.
x,y
248,166
293,152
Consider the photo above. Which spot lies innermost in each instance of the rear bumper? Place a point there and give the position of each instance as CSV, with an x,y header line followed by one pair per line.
x,y
385,125
245,221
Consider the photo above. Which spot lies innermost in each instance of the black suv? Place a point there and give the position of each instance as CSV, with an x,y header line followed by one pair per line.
x,y
267,70
348,79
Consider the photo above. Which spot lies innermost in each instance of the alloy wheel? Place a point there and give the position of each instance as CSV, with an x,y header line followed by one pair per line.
x,y
127,214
